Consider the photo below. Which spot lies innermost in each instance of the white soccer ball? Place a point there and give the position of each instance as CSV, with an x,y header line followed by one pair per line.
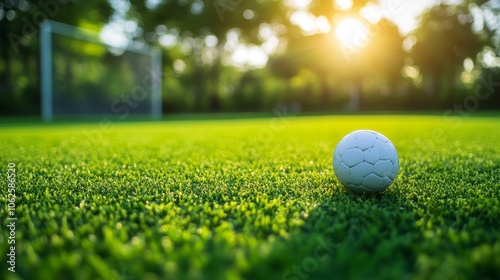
x,y
365,161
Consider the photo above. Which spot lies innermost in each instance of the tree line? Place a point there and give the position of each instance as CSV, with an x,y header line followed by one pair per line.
x,y
451,56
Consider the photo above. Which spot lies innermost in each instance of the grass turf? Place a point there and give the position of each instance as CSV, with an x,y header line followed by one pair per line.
x,y
251,199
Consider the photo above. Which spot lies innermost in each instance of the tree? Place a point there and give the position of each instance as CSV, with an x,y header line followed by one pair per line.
x,y
444,39
19,41
201,18
381,58
329,8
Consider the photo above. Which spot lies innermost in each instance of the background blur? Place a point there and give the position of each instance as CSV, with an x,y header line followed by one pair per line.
x,y
238,55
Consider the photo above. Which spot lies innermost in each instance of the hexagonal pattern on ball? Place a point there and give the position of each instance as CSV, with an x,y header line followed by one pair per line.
x,y
383,168
371,155
363,169
365,161
343,172
365,140
352,157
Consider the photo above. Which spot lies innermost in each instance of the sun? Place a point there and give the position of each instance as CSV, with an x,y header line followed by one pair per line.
x,y
352,33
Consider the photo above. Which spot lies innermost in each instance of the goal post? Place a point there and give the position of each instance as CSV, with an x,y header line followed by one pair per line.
x,y
82,76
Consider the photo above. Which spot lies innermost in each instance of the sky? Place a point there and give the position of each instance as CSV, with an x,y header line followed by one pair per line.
x,y
405,13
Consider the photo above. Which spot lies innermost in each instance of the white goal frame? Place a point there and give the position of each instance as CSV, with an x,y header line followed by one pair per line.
x,y
48,27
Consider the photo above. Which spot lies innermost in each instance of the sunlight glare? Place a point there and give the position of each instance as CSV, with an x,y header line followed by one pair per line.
x,y
343,4
299,4
252,56
114,35
352,33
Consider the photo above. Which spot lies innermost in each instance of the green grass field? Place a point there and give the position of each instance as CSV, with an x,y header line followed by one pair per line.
x,y
250,199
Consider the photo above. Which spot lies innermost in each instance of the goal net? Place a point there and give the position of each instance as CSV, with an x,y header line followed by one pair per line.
x,y
83,76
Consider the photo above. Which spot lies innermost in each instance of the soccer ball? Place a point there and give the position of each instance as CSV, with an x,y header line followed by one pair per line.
x,y
365,161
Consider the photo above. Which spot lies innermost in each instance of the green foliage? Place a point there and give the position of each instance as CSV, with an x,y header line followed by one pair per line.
x,y
251,199
328,8
486,87
314,71
202,17
444,39
19,45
